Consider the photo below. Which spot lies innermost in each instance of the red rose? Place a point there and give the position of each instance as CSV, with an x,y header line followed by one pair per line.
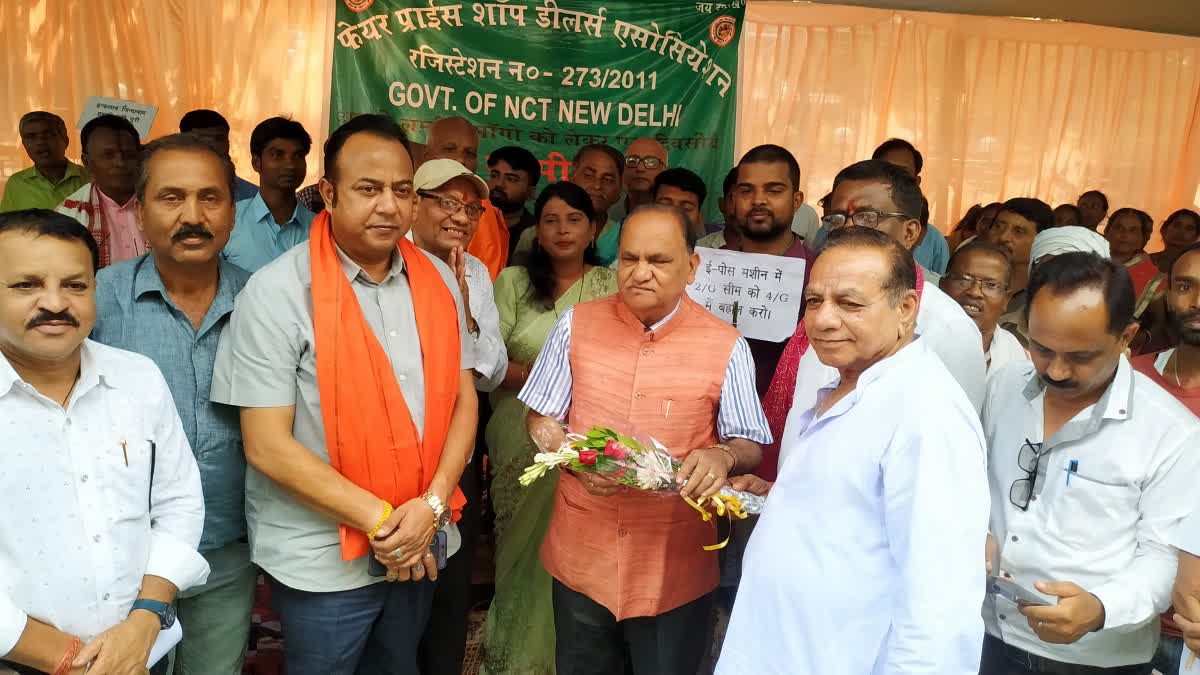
x,y
588,457
613,449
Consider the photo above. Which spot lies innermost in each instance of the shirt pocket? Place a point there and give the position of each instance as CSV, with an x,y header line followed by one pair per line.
x,y
1091,508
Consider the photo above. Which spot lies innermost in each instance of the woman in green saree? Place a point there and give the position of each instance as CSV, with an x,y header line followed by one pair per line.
x,y
561,271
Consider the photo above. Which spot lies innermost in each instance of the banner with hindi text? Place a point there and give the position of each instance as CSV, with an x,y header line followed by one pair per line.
x,y
549,75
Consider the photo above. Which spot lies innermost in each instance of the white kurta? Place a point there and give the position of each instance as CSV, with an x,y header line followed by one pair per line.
x,y
948,333
869,555
1005,349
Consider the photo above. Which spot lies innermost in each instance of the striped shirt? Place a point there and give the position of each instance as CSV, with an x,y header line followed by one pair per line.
x,y
740,415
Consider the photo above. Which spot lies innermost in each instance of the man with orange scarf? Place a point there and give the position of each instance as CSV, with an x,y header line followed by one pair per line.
x,y
350,359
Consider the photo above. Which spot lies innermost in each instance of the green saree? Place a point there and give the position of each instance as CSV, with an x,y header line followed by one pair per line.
x,y
519,632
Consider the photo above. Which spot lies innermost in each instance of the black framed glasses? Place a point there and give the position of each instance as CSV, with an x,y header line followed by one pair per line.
x,y
1028,459
867,218
990,287
632,161
452,206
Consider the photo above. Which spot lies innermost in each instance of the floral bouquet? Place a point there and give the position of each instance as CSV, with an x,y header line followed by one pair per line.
x,y
644,466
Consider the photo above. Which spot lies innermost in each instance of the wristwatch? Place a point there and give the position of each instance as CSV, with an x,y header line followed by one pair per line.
x,y
165,611
441,514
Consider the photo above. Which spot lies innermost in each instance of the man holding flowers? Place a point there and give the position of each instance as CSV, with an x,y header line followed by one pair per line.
x,y
632,581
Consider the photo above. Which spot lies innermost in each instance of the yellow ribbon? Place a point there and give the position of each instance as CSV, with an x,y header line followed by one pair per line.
x,y
725,505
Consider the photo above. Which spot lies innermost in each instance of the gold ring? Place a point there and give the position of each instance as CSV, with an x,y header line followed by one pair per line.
x,y
392,576
419,568
712,476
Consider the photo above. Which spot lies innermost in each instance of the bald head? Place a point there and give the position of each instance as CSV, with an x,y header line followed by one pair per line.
x,y
638,177
453,138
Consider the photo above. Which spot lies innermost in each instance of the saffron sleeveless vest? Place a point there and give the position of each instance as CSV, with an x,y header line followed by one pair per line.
x,y
639,553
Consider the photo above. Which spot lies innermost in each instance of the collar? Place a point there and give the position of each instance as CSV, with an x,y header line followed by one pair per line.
x,y
73,171
1116,403
353,270
257,210
146,279
663,321
92,372
877,371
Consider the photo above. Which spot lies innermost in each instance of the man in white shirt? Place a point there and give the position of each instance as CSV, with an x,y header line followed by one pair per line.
x,y
447,216
881,196
865,559
100,489
1091,468
979,278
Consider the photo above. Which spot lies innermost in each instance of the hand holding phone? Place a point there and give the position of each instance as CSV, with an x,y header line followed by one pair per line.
x,y
1014,592
438,547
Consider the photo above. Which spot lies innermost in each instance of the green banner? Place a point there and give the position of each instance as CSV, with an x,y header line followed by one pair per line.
x,y
549,76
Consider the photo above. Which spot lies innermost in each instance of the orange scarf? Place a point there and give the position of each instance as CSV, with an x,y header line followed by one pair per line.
x,y
369,429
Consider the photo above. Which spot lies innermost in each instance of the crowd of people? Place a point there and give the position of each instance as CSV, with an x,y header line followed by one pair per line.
x,y
975,448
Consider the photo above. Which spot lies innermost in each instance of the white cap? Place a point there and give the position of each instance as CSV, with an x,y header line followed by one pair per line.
x,y
435,173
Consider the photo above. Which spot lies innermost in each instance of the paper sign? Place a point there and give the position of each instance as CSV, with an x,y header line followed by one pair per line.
x,y
758,294
141,115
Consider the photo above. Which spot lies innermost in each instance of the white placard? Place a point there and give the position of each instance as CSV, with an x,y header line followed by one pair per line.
x,y
141,115
165,642
764,291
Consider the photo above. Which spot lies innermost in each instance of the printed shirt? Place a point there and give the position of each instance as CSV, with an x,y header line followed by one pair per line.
x,y
86,521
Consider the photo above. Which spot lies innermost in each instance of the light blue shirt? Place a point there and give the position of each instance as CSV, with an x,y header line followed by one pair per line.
x,y
740,415
933,253
257,239
133,312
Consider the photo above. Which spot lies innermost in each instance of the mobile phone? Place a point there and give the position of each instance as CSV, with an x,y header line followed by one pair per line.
x,y
437,548
1014,592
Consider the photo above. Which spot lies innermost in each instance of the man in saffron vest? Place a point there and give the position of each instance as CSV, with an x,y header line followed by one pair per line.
x,y
350,359
632,581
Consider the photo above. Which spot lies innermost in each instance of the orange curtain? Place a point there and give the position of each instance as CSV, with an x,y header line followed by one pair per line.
x,y
247,59
999,107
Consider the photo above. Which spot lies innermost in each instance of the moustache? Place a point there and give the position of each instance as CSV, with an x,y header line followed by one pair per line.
x,y
498,197
1057,384
45,317
188,231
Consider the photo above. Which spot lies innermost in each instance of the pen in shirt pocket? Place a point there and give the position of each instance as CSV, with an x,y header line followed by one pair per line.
x,y
1072,467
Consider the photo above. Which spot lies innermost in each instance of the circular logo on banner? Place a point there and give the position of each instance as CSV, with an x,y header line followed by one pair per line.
x,y
722,30
358,5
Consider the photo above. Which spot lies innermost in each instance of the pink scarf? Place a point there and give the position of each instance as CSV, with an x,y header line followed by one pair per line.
x,y
778,401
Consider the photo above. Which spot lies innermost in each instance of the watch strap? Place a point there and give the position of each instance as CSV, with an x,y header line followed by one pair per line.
x,y
160,609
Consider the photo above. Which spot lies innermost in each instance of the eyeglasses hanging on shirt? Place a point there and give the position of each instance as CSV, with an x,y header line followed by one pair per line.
x,y
1021,491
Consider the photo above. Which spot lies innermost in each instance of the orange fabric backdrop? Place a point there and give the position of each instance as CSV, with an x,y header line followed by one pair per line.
x,y
248,59
1000,107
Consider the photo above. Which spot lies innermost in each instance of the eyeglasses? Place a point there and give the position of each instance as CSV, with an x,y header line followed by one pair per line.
x,y
1021,491
868,218
647,162
991,287
452,206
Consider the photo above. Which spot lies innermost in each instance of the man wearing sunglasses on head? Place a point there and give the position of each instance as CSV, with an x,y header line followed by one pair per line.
x,y
1091,467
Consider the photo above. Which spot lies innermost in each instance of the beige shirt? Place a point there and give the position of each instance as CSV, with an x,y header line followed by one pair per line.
x,y
266,359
